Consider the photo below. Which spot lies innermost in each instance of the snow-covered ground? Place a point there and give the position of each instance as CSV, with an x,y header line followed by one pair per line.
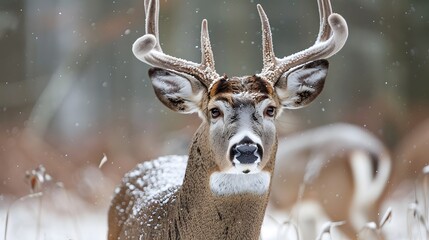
x,y
60,215
53,218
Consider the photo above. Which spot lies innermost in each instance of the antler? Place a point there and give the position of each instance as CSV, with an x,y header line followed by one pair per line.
x,y
147,49
332,36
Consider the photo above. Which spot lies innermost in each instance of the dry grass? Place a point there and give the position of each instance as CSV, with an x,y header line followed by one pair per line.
x,y
49,211
418,212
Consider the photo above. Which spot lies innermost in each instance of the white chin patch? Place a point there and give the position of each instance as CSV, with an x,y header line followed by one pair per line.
x,y
228,183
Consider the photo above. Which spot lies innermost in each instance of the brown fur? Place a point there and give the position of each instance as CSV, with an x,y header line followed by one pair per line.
x,y
239,85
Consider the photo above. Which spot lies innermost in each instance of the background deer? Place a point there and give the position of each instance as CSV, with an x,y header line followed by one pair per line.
x,y
221,190
342,168
412,155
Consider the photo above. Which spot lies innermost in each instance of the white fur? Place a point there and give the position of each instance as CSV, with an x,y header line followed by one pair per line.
x,y
242,133
226,184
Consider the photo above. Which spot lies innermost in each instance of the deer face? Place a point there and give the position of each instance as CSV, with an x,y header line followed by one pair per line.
x,y
241,113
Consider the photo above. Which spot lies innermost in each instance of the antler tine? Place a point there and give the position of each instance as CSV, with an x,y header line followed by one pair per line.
x,y
146,4
148,50
333,33
207,58
325,10
269,58
152,17
322,49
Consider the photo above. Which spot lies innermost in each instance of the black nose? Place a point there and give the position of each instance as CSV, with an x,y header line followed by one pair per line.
x,y
246,154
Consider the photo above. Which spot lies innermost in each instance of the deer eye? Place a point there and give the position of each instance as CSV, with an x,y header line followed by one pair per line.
x,y
215,112
270,111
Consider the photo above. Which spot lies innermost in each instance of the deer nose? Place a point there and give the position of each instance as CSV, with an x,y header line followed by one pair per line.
x,y
246,152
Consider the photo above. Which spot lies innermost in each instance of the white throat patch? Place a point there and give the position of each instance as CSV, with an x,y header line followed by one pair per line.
x,y
226,184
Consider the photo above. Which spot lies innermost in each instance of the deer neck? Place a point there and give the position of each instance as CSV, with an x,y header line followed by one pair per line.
x,y
203,213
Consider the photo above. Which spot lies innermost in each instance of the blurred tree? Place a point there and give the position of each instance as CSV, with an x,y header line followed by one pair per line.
x,y
13,103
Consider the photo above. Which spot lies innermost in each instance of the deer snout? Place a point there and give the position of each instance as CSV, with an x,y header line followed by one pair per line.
x,y
246,155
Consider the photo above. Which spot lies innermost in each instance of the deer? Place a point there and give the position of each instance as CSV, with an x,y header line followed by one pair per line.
x,y
220,190
342,168
411,155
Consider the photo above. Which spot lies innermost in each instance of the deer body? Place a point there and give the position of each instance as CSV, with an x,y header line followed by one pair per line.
x,y
221,190
171,198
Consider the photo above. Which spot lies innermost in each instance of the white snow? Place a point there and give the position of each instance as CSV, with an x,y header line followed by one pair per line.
x,y
53,216
155,182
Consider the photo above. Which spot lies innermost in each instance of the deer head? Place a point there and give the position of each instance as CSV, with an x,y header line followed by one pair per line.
x,y
240,112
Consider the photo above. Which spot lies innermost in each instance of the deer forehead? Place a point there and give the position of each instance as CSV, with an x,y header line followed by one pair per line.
x,y
241,90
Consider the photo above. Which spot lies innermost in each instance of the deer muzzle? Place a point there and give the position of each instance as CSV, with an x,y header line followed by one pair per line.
x,y
246,155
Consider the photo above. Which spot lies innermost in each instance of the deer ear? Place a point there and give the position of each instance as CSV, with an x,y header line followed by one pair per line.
x,y
178,91
300,86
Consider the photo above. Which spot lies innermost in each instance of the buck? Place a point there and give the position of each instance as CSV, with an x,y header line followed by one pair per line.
x,y
341,169
221,190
